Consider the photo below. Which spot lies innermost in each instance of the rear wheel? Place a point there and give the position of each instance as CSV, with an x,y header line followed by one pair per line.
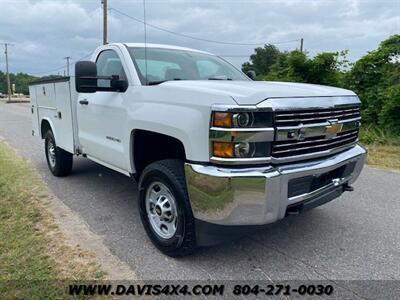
x,y
59,161
165,208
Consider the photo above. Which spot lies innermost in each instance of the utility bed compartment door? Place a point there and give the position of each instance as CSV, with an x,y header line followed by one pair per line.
x,y
53,101
64,116
34,111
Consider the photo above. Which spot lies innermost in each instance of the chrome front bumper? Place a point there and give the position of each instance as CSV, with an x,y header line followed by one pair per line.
x,y
256,196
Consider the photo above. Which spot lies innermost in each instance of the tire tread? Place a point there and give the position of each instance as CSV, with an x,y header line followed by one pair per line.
x,y
173,168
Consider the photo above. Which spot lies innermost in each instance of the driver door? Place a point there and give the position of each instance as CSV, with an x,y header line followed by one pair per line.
x,y
101,115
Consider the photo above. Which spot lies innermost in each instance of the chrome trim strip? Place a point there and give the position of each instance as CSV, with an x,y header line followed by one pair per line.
x,y
312,130
251,129
329,143
276,146
237,108
309,103
286,114
233,135
312,155
314,141
276,160
235,161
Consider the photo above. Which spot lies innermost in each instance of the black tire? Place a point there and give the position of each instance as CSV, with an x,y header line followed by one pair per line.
x,y
169,172
62,164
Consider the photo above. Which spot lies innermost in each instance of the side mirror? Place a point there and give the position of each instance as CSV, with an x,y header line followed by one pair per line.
x,y
251,74
85,77
117,84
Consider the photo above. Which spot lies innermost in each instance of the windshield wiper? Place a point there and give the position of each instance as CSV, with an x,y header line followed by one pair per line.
x,y
161,81
156,82
217,78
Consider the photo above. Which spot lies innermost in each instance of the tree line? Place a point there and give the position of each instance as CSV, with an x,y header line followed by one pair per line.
x,y
21,81
375,77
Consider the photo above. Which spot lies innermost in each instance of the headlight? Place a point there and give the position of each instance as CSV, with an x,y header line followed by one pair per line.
x,y
242,119
245,149
241,134
241,149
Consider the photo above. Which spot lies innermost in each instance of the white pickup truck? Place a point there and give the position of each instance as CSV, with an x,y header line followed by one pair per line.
x,y
213,151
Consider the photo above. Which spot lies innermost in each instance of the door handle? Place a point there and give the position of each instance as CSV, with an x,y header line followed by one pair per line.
x,y
84,102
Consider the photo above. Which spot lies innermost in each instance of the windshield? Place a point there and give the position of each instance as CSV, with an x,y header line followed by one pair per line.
x,y
171,64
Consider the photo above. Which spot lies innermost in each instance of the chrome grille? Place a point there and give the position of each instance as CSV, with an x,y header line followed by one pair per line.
x,y
309,134
294,118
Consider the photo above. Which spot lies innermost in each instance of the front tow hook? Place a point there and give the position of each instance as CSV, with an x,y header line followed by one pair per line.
x,y
347,188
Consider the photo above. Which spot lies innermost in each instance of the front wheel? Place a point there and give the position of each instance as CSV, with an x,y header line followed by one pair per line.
x,y
165,208
59,161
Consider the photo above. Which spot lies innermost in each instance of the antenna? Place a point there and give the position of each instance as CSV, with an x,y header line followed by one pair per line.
x,y
145,39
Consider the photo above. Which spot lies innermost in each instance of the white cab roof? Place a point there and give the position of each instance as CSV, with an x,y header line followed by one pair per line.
x,y
148,45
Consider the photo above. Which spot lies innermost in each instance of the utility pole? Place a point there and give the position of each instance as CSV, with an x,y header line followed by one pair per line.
x,y
67,58
301,45
104,2
8,74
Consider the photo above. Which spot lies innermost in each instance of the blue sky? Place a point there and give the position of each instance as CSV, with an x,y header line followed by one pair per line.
x,y
43,32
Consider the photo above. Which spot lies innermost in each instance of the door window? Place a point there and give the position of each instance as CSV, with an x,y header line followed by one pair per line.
x,y
108,64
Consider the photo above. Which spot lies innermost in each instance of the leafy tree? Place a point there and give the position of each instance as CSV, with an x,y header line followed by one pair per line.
x,y
21,81
375,78
262,59
389,117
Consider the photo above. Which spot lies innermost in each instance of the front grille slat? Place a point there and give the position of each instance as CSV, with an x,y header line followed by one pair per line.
x,y
309,142
314,144
293,118
317,112
342,141
340,117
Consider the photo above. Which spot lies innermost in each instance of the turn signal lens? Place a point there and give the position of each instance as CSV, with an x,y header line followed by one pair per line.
x,y
221,149
222,119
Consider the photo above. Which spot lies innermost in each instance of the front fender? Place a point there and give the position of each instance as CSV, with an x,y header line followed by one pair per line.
x,y
190,125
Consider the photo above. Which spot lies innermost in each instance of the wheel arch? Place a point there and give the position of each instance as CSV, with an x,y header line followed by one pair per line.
x,y
145,148
46,124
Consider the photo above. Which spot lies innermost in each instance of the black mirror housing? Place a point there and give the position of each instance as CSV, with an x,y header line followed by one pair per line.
x,y
117,84
85,77
251,74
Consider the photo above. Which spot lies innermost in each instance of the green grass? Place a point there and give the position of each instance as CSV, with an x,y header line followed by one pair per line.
x,y
33,253
383,147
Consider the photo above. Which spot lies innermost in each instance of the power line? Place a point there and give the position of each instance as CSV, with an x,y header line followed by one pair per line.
x,y
195,38
61,68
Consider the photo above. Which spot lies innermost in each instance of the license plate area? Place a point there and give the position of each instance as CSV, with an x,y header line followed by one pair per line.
x,y
311,183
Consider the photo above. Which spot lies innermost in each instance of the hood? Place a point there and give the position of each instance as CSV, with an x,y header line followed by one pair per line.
x,y
253,92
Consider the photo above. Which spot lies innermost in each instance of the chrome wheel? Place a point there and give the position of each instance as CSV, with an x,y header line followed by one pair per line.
x,y
51,153
161,210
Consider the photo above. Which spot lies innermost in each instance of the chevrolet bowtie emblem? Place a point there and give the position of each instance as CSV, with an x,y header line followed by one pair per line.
x,y
333,128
